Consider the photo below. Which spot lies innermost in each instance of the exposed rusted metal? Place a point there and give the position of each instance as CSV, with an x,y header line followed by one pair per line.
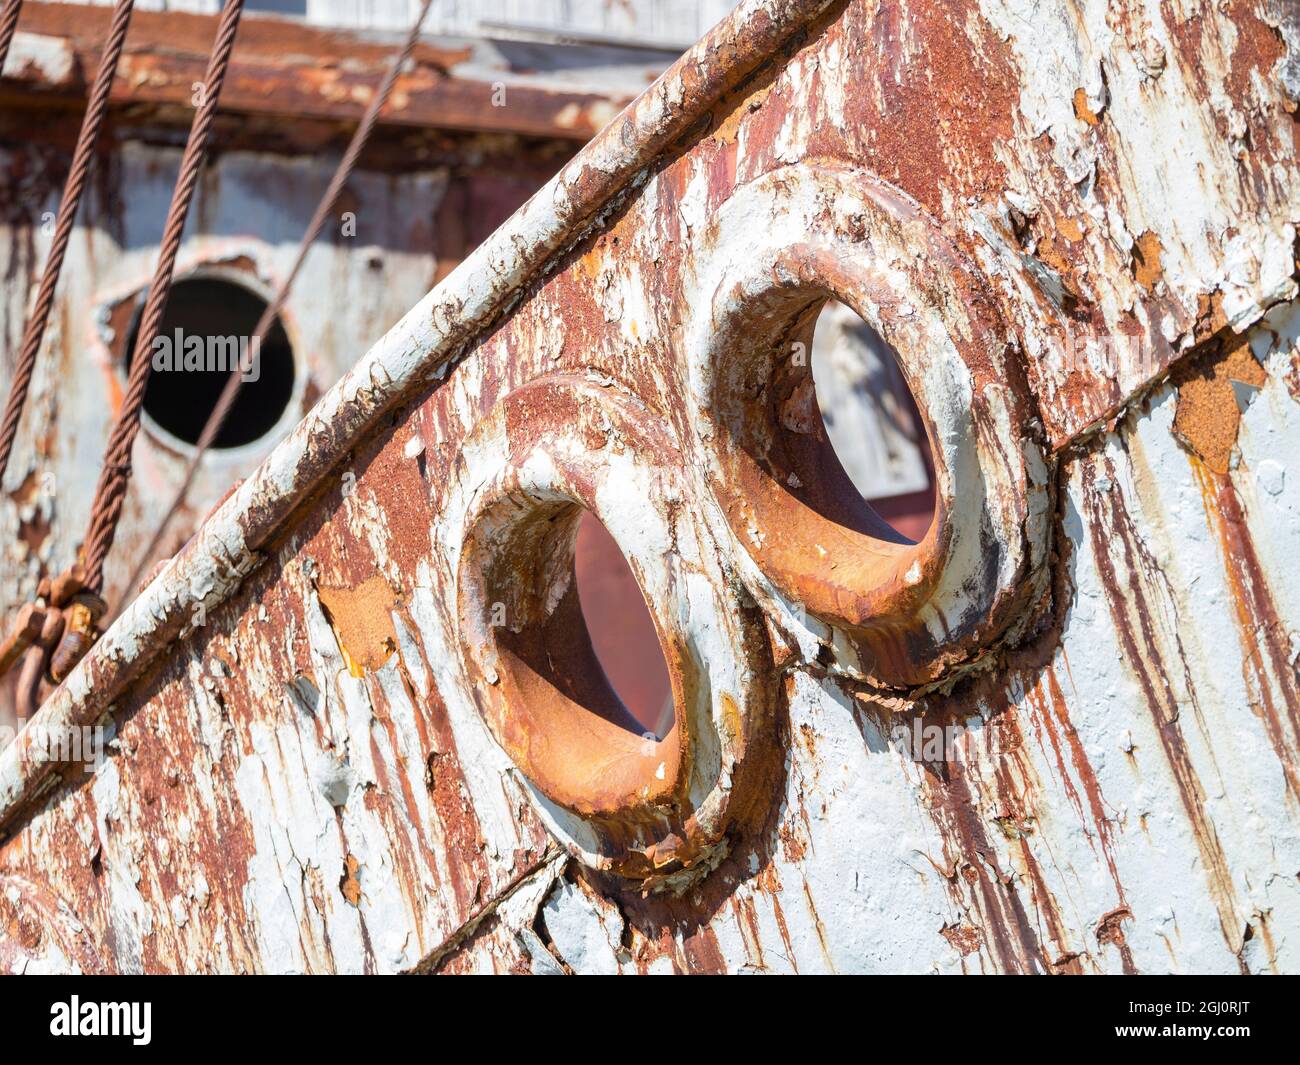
x,y
81,619
986,751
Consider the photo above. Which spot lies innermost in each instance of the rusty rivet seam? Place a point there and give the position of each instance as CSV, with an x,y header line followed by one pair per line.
x,y
415,351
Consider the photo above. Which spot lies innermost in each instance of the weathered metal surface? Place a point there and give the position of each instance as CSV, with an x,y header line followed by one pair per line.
x,y
1061,733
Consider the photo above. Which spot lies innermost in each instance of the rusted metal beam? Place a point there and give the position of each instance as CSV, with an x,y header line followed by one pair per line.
x,y
285,69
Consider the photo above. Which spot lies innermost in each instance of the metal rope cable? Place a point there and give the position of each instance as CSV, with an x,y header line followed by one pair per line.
x,y
75,184
8,23
216,419
110,492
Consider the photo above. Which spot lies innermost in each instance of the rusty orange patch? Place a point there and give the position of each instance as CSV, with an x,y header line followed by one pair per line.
x,y
1207,417
1210,315
348,882
1110,929
729,125
1081,109
362,621
964,938
1070,229
1146,260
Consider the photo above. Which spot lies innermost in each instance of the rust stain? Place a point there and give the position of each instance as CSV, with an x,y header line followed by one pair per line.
x,y
1267,667
974,875
1110,932
1053,714
1266,935
1133,600
964,938
20,925
822,935
747,923
1016,783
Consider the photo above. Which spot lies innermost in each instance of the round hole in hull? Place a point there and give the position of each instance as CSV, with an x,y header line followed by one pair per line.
x,y
207,328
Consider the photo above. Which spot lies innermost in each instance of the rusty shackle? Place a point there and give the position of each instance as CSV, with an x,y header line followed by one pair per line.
x,y
26,630
82,617
51,635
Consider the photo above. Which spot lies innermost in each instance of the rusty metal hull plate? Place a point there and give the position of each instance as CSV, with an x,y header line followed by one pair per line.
x,y
1059,734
